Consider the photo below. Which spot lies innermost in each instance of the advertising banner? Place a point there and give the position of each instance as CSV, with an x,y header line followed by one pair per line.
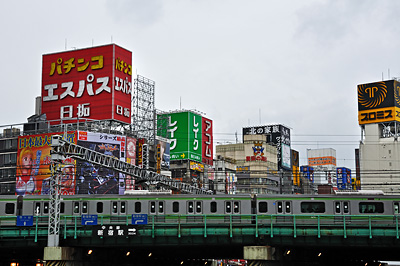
x,y
163,156
378,102
343,175
93,83
131,159
92,179
207,140
33,165
278,135
186,132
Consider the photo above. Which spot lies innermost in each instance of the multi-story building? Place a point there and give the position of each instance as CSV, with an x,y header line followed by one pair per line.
x,y
379,152
256,164
323,161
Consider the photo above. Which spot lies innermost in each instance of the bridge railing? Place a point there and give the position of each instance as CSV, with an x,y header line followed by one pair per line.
x,y
229,225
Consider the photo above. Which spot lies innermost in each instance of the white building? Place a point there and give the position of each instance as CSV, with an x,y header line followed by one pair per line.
x,y
380,158
324,163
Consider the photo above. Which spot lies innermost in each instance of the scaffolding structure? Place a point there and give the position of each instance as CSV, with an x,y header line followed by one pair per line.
x,y
144,109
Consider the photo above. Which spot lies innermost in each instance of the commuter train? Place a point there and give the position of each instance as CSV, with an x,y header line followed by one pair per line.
x,y
205,205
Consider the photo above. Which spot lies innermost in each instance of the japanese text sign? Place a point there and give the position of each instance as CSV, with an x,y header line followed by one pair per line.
x,y
93,83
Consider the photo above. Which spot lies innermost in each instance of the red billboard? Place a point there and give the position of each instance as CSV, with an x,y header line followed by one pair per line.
x,y
207,139
93,84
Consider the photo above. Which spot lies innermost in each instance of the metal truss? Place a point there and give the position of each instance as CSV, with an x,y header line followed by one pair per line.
x,y
144,108
67,149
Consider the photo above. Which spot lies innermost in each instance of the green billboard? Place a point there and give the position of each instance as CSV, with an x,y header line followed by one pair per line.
x,y
184,130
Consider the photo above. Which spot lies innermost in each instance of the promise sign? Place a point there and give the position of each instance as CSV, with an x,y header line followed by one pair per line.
x,y
378,102
93,83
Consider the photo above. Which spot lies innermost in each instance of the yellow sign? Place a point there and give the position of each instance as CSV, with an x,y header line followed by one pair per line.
x,y
379,115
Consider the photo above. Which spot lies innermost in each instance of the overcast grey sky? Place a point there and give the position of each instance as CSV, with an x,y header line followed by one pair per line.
x,y
243,63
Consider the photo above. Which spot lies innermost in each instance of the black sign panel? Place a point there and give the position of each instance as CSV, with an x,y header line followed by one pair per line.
x,y
276,134
114,230
378,95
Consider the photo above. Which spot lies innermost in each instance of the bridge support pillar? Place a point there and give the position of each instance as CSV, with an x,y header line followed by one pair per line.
x,y
259,256
55,256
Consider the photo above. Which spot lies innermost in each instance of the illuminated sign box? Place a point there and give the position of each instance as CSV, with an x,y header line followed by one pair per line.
x,y
93,83
378,102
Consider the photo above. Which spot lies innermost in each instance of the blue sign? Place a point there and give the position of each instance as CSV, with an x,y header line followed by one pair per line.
x,y
88,219
25,220
139,218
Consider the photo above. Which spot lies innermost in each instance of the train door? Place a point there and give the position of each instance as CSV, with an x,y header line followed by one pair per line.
x,y
284,209
232,208
80,207
118,211
156,208
341,210
194,208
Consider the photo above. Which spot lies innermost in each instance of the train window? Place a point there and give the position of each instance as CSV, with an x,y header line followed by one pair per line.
x,y
99,207
345,207
190,207
123,205
370,207
37,208
262,206
198,206
76,207
10,208
175,206
396,208
114,207
84,207
213,207
337,207
236,207
46,207
228,208
287,207
152,206
280,210
161,207
62,207
138,207
313,207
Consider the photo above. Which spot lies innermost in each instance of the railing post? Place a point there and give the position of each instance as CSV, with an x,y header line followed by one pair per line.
x,y
36,230
152,227
294,226
205,225
179,226
272,229
256,225
230,225
344,226
397,227
319,227
370,226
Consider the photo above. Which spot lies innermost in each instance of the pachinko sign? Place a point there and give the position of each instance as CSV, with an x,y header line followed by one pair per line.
x,y
93,83
33,166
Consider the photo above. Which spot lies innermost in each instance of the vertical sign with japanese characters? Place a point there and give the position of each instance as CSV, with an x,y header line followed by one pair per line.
x,y
93,83
207,139
279,135
185,132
